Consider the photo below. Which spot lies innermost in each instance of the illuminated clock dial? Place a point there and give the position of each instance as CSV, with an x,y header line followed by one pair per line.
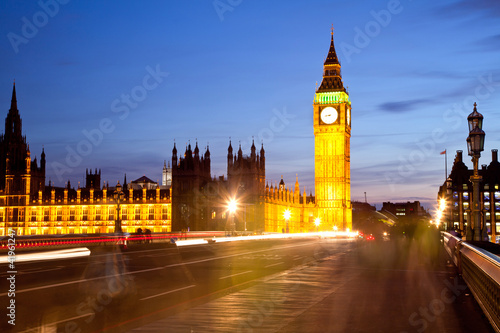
x,y
348,117
329,115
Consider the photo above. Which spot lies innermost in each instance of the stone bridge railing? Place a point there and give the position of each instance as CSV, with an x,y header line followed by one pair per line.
x,y
480,269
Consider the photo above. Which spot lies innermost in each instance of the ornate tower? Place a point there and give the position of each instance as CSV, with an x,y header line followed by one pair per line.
x,y
332,134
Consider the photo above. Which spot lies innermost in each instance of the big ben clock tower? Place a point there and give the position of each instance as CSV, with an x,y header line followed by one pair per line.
x,y
332,135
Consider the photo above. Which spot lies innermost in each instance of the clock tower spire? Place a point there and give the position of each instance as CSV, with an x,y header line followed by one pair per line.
x,y
332,134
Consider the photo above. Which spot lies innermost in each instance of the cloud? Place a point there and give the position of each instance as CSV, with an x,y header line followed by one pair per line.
x,y
491,43
464,8
402,106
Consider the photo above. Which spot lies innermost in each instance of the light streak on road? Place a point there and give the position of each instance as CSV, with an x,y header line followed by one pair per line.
x,y
48,255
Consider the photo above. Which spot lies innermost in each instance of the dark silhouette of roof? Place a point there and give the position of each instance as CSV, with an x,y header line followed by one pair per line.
x,y
143,179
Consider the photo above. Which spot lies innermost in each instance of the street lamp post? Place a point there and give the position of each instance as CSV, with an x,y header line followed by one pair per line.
x,y
287,215
475,145
317,221
118,195
232,206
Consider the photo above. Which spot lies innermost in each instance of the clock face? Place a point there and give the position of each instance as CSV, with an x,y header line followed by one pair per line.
x,y
329,115
348,117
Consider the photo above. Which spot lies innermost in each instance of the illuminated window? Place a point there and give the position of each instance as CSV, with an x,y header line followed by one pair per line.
x,y
98,213
111,215
33,215
72,214
85,213
59,213
46,213
214,214
164,213
137,212
151,213
497,195
124,213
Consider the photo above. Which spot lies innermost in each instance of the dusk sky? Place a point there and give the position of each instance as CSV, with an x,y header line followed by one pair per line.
x,y
112,84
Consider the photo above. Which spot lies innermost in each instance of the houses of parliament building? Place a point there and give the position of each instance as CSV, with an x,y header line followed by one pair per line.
x,y
188,196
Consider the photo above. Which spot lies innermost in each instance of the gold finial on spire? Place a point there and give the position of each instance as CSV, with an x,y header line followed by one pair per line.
x,y
332,30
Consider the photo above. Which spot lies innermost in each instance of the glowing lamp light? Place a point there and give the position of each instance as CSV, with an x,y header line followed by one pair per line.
x,y
442,204
335,228
287,214
232,206
317,221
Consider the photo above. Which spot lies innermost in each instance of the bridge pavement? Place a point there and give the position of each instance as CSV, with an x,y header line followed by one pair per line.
x,y
395,286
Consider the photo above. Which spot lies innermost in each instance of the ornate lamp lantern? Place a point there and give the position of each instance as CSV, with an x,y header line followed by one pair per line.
x,y
476,228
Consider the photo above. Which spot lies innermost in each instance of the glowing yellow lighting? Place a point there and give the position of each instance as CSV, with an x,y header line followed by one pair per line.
x,y
317,221
442,204
287,214
335,228
232,206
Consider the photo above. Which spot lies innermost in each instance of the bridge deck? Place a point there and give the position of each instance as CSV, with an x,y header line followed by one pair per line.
x,y
397,286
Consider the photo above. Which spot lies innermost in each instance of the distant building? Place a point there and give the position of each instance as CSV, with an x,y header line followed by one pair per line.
x,y
93,180
457,215
405,209
166,175
358,206
143,182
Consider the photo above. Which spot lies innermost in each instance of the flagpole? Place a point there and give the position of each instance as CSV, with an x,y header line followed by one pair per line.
x,y
446,164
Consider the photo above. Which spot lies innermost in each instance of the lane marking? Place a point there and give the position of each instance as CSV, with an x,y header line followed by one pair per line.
x,y
39,271
167,292
228,276
40,328
276,264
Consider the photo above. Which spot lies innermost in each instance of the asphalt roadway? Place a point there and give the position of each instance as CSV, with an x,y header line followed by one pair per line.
x,y
305,285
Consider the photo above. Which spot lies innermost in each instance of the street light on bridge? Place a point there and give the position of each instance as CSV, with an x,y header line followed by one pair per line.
x,y
118,195
475,145
317,221
232,206
286,215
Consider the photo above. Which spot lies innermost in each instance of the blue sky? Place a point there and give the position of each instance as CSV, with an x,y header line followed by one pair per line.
x,y
118,81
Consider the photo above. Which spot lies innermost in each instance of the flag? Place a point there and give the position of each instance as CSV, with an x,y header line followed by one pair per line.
x,y
443,152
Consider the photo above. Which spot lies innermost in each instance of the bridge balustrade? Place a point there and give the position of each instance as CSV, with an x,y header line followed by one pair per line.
x,y
480,269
